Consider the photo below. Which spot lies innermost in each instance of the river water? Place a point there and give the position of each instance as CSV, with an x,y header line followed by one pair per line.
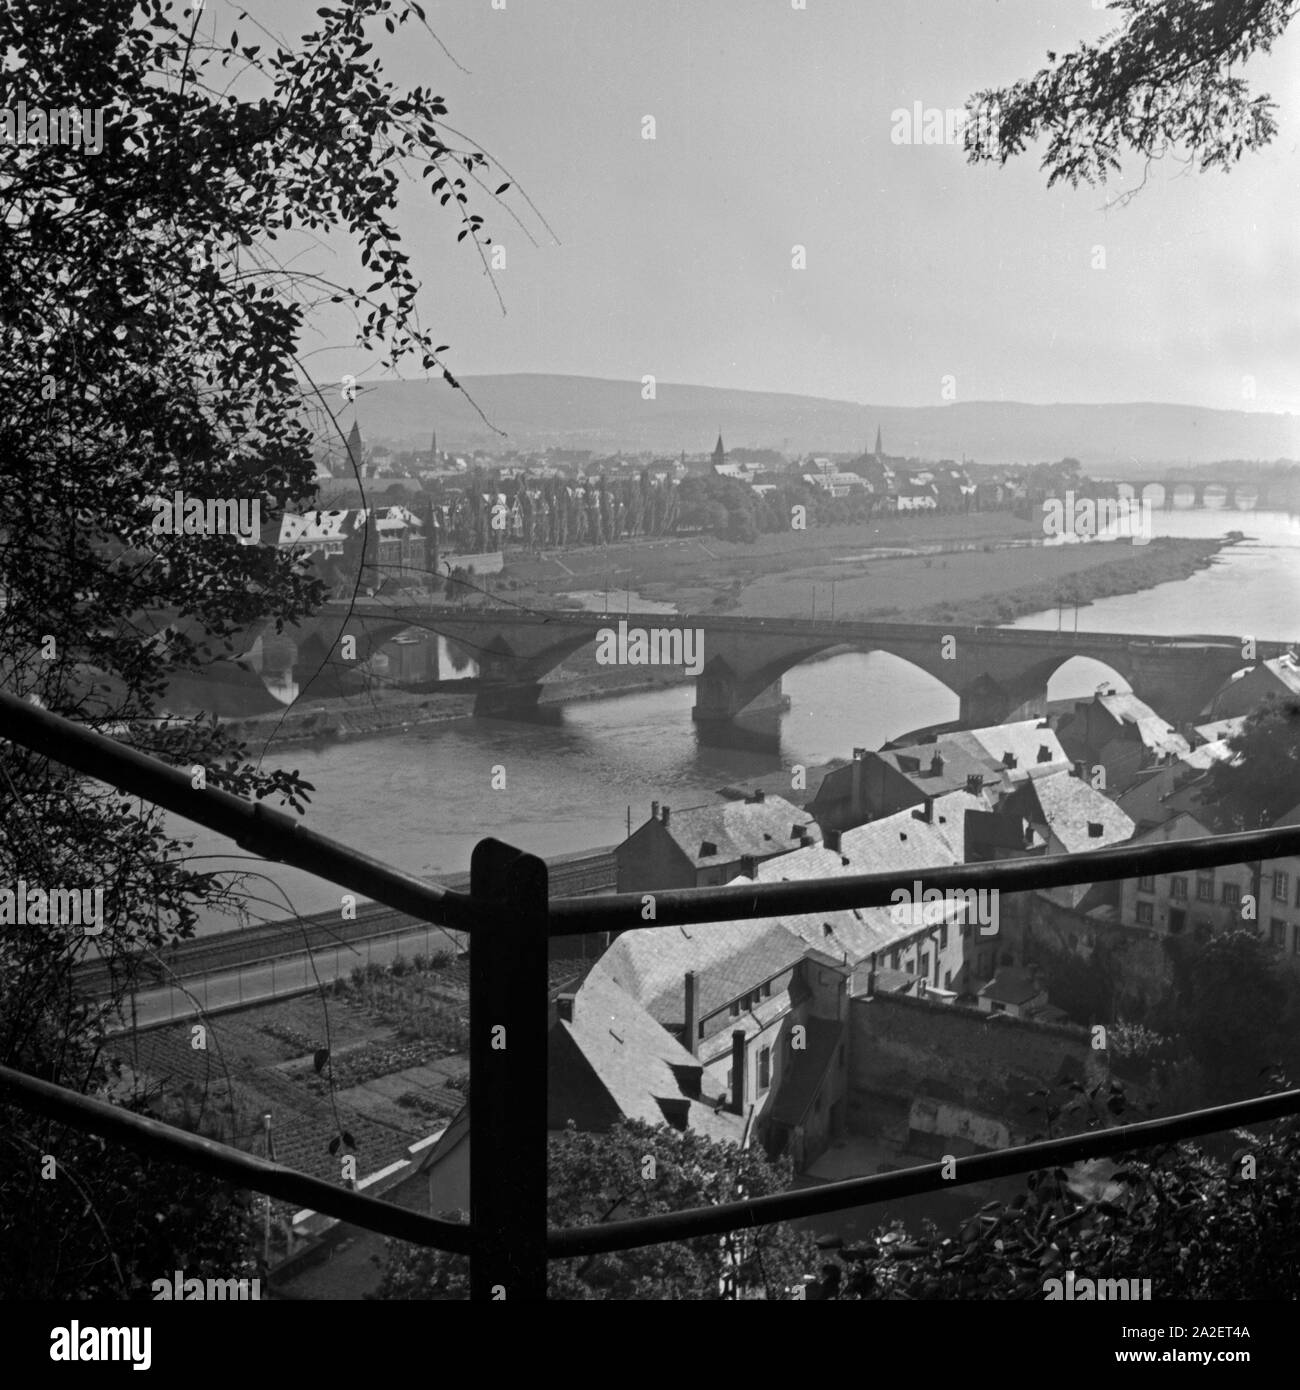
x,y
422,799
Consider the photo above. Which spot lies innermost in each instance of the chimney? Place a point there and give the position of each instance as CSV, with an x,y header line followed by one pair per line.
x,y
1044,753
738,1071
692,1029
925,811
663,816
936,765
831,839
975,783
1008,759
749,865
759,797
1095,830
564,1006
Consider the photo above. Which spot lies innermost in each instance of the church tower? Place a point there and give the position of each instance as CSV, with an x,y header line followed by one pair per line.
x,y
879,451
719,453
354,449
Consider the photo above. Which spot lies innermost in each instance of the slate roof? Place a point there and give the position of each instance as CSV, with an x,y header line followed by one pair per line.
x,y
1220,728
729,958
914,761
1157,734
1024,739
738,828
1070,805
899,842
634,1060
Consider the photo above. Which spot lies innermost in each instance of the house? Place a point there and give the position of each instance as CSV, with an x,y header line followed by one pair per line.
x,y
1249,689
391,544
1279,899
1209,900
1015,991
609,1060
735,992
1071,817
709,845
986,762
1120,734
925,951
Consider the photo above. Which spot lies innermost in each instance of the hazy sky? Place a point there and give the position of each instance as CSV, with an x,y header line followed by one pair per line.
x,y
773,128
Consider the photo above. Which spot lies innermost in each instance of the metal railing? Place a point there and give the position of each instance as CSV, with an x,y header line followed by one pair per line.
x,y
509,917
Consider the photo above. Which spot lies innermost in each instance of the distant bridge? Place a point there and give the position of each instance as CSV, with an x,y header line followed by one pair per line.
x,y
997,673
1174,494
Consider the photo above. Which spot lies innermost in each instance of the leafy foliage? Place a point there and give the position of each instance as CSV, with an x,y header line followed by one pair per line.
x,y
1161,82
151,344
1261,782
601,1177
1196,1226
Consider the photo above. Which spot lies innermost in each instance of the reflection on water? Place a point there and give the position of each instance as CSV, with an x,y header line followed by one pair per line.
x,y
578,775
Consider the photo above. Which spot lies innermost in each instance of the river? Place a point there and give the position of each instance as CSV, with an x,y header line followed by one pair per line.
x,y
422,799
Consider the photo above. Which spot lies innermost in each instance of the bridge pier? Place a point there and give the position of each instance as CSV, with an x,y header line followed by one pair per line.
x,y
719,698
507,701
985,702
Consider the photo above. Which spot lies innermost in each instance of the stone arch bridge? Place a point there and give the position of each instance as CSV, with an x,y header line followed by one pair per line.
x,y
996,672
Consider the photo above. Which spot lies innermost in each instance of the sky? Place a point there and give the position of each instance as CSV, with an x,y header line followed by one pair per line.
x,y
673,257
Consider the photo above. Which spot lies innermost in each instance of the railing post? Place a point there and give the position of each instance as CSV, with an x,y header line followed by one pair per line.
x,y
508,1017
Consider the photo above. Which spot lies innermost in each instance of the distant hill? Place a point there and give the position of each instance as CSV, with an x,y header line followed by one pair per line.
x,y
538,410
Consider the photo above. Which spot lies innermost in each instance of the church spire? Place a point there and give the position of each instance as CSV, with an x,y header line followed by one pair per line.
x,y
879,452
719,453
354,446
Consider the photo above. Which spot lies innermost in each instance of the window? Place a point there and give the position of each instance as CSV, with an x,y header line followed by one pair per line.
x,y
1281,886
1232,894
1178,889
943,936
764,1068
947,979
1205,886
1277,933
1146,884
925,965
1145,915
893,961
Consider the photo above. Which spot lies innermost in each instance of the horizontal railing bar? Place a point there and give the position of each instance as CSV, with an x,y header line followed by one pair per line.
x,y
740,901
883,1187
253,826
150,1136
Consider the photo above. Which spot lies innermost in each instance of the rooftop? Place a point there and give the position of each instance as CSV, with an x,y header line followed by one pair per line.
x,y
1080,817
729,830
